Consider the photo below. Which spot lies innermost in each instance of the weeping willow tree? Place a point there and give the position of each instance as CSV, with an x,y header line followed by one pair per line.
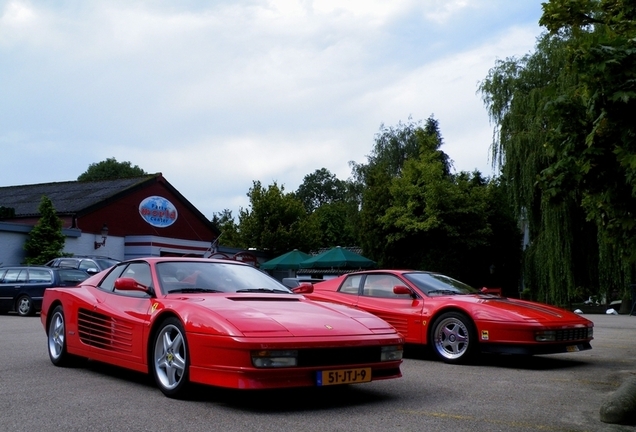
x,y
567,148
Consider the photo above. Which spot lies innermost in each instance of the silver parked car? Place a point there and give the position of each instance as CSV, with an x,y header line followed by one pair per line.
x,y
90,264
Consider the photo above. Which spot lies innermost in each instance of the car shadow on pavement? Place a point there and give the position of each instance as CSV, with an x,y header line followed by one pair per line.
x,y
269,400
292,399
526,362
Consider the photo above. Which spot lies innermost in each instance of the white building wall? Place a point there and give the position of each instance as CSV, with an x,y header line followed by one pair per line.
x,y
85,245
11,248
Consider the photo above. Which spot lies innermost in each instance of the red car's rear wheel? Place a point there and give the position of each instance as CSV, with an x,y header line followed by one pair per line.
x,y
57,339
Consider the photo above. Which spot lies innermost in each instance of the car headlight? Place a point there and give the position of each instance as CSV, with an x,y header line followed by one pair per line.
x,y
545,336
391,353
275,358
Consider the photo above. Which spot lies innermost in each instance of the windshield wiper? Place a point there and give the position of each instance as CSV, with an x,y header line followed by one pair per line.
x,y
265,290
442,291
194,290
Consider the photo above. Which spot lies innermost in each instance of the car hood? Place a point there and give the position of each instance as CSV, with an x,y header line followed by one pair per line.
x,y
283,315
494,308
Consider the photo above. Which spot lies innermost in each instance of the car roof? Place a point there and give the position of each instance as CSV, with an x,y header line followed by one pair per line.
x,y
25,266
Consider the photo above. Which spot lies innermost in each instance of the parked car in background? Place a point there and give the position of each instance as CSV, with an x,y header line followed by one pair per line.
x,y
454,319
90,264
22,287
216,322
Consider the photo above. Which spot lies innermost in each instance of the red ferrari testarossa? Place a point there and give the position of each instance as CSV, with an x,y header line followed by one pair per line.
x,y
215,322
454,319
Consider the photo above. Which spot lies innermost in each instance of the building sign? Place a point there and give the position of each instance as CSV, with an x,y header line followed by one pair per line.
x,y
158,211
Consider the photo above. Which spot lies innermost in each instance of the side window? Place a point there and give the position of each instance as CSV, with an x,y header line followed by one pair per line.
x,y
351,284
2,272
139,272
381,285
66,263
15,276
40,276
108,283
71,277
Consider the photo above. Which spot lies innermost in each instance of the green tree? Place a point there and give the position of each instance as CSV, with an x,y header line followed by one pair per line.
x,y
224,222
393,147
277,221
110,169
416,214
46,240
332,207
450,224
336,224
565,139
320,187
599,158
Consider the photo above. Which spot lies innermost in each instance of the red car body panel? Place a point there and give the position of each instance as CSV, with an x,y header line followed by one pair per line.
x,y
222,330
502,324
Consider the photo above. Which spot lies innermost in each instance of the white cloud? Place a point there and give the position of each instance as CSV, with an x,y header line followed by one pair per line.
x,y
216,95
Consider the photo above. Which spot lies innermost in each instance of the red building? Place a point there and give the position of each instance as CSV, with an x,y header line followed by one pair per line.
x,y
122,219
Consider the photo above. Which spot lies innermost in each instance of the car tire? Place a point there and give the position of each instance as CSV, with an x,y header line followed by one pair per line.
x,y
453,338
24,306
56,339
169,359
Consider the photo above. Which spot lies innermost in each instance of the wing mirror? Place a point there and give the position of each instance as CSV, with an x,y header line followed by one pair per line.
x,y
495,291
304,288
403,290
129,284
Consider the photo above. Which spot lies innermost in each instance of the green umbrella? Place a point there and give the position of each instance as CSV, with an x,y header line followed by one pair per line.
x,y
337,257
290,260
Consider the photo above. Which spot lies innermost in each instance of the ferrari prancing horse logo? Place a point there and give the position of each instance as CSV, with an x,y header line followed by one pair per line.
x,y
154,308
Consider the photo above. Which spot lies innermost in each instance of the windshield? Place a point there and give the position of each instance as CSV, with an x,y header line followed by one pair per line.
x,y
438,284
201,276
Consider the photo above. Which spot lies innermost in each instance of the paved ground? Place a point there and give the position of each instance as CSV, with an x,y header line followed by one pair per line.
x,y
499,393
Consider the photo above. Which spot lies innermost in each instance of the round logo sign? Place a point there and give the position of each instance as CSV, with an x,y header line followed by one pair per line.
x,y
158,211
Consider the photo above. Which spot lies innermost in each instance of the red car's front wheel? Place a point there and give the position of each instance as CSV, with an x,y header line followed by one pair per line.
x,y
170,360
453,338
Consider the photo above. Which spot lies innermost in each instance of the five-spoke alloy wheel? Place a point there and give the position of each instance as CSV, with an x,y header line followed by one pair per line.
x,y
453,337
170,358
57,338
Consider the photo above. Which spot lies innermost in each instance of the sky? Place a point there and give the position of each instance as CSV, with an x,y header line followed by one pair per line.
x,y
218,94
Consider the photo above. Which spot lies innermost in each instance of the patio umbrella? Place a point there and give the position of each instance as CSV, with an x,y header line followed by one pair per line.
x,y
337,257
287,261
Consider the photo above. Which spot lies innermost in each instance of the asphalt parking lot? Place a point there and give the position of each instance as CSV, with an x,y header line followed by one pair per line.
x,y
561,392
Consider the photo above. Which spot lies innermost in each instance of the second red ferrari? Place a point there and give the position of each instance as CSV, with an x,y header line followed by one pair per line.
x,y
454,319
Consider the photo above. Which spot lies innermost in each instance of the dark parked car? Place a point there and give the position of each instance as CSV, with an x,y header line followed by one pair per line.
x,y
22,287
90,264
